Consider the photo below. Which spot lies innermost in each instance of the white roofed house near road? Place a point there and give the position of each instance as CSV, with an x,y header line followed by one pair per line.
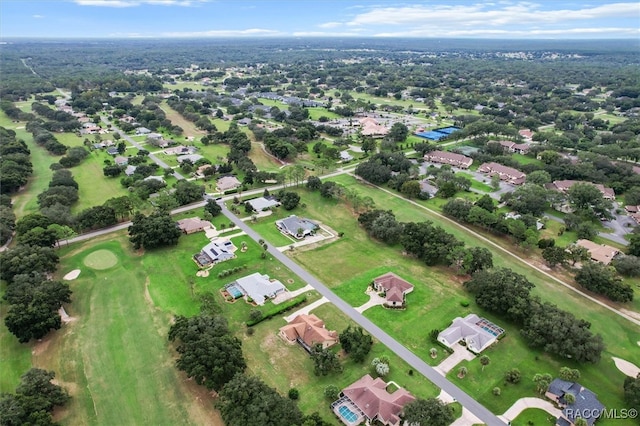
x,y
259,287
297,227
477,333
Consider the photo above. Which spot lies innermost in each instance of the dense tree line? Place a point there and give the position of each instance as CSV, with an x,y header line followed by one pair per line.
x,y
15,163
544,325
45,138
425,241
603,279
58,121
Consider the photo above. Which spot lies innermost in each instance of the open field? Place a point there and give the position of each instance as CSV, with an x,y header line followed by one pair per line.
x,y
178,120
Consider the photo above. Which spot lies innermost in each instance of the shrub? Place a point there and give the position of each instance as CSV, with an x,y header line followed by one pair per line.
x,y
497,391
294,394
464,303
278,309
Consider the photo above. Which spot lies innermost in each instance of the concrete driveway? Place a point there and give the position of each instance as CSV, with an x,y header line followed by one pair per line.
x,y
523,403
460,353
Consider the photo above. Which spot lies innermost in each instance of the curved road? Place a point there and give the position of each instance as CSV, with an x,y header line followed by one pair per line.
x,y
414,361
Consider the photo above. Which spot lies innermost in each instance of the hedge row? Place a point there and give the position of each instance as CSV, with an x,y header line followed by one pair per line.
x,y
277,309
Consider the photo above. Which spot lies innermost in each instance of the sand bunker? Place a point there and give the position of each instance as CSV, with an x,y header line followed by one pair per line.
x,y
72,275
204,273
628,368
101,259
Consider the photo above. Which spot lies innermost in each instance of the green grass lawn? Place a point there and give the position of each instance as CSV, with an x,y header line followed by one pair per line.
x,y
16,357
534,417
475,184
316,112
525,159
94,188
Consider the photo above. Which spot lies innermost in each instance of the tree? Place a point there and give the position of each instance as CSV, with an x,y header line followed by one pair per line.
x,y
24,259
212,207
481,259
501,291
554,256
209,352
632,391
324,360
34,400
629,266
247,401
634,243
462,372
314,183
331,392
528,199
542,382
513,376
569,374
155,230
539,177
431,411
486,202
33,305
576,253
289,200
398,132
588,201
356,343
369,145
411,188
604,280
484,361
188,192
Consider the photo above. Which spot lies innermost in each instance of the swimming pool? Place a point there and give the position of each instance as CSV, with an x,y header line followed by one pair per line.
x,y
347,414
234,291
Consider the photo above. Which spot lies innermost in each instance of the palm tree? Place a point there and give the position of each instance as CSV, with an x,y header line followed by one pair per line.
x,y
484,360
462,371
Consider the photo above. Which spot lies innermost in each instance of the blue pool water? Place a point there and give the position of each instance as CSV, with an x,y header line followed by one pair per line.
x,y
347,414
234,291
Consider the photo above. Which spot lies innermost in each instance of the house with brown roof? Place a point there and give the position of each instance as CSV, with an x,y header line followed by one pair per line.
x,y
371,127
395,288
308,331
507,174
451,158
599,252
191,225
367,400
633,212
526,133
518,148
564,185
226,183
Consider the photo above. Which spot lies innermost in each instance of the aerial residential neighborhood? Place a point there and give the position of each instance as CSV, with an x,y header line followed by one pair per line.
x,y
319,228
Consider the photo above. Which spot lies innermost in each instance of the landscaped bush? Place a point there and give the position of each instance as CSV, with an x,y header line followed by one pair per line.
x,y
277,309
464,303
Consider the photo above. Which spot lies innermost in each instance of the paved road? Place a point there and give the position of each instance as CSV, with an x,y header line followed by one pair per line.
x,y
414,361
153,158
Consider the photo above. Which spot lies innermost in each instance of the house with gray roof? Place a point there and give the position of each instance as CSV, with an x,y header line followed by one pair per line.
x,y
263,203
585,403
191,157
297,227
259,287
216,251
476,332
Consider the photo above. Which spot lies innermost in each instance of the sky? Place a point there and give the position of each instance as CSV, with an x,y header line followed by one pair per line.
x,y
499,19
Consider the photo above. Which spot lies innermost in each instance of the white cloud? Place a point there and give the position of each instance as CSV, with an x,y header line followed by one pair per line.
x,y
133,3
330,25
250,32
326,34
500,33
37,16
471,15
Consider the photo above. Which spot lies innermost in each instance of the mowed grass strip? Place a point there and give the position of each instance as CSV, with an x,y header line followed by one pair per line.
x,y
116,352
